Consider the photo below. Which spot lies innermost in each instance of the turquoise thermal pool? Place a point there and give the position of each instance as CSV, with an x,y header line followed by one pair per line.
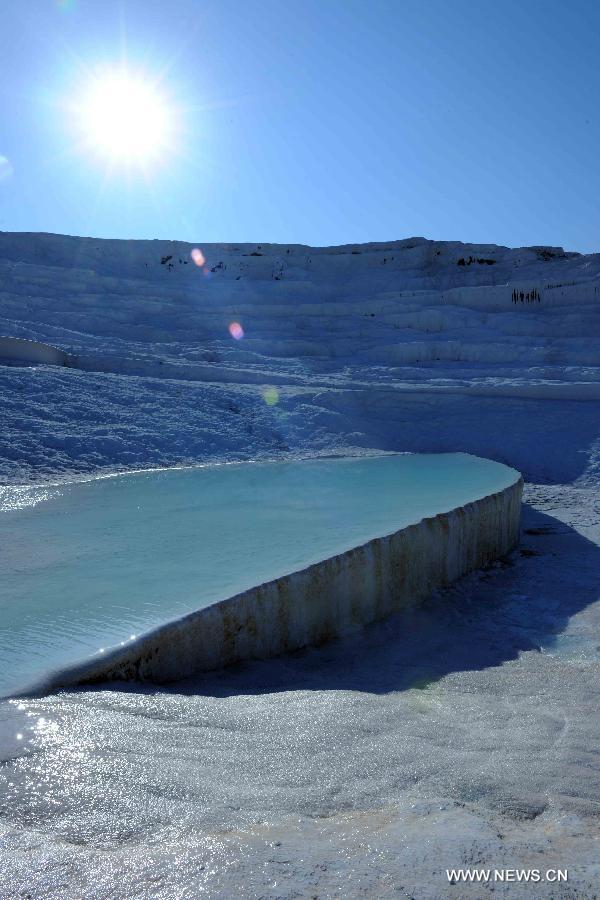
x,y
87,566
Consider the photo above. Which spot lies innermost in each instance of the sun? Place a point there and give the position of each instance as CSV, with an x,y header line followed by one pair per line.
x,y
123,116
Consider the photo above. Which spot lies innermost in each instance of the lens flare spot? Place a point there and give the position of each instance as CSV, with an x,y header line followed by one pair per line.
x,y
271,396
19,736
198,257
6,169
236,331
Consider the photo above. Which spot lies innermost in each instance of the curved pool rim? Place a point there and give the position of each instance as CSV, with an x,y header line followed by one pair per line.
x,y
363,584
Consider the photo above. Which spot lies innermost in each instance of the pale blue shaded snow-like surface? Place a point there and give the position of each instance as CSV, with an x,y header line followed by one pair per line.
x,y
88,565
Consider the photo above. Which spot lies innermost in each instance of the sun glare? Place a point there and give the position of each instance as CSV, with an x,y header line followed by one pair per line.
x,y
123,117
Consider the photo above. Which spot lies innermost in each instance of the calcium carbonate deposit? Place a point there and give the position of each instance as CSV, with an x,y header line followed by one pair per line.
x,y
120,555
461,732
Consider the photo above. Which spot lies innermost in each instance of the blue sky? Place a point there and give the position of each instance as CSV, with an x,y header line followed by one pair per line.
x,y
313,121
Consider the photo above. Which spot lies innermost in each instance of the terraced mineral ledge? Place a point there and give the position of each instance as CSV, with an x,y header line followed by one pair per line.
x,y
296,553
461,731
399,345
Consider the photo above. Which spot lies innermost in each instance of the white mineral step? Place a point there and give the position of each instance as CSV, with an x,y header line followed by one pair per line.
x,y
87,565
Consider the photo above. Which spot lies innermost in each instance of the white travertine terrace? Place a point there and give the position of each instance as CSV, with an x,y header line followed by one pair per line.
x,y
320,602
20,350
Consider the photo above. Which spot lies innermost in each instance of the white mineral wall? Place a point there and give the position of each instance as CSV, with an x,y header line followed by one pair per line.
x,y
321,602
